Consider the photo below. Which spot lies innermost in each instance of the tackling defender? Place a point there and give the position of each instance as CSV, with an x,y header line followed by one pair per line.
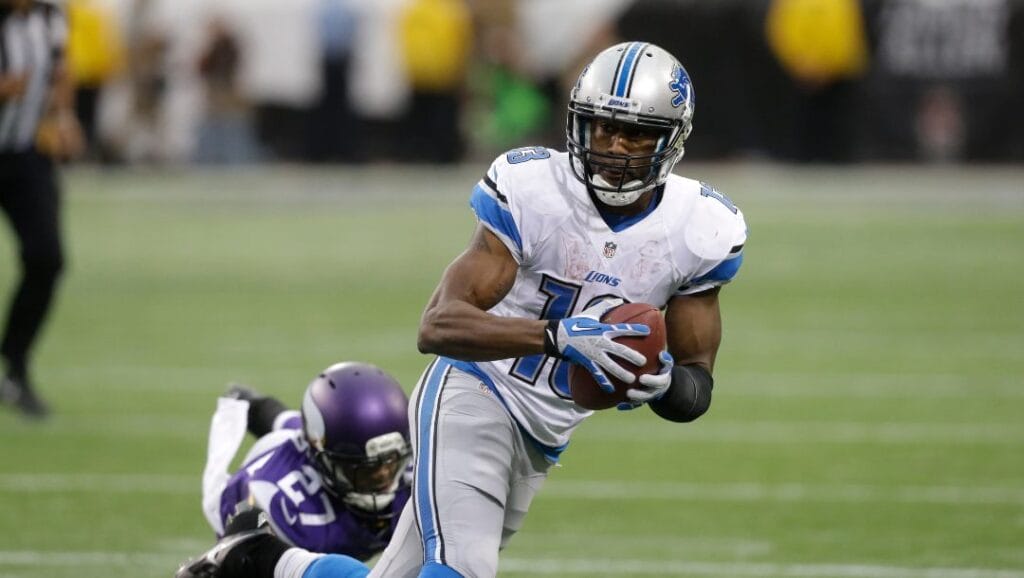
x,y
331,479
562,237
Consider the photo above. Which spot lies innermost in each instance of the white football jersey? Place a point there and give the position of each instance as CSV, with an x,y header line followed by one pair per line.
x,y
570,257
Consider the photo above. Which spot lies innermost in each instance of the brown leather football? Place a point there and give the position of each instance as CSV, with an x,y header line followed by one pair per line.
x,y
585,391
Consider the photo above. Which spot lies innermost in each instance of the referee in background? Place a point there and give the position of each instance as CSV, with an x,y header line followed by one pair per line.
x,y
37,126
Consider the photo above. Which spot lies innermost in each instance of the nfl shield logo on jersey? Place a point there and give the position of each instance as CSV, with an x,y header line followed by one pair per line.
x,y
609,249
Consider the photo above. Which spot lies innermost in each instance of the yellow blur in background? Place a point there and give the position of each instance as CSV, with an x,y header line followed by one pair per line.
x,y
818,41
94,46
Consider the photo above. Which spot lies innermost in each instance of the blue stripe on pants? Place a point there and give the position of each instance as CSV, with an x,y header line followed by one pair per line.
x,y
336,566
424,494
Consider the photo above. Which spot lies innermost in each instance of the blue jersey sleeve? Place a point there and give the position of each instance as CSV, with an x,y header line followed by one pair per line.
x,y
723,272
717,234
492,210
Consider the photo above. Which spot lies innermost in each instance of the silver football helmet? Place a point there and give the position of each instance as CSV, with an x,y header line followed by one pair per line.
x,y
633,83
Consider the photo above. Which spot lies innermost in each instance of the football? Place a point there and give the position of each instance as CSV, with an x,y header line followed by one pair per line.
x,y
585,391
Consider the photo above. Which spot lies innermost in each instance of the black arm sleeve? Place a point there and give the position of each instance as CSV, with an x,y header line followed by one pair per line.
x,y
262,412
688,397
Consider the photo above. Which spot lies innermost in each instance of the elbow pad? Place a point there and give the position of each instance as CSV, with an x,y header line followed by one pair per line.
x,y
688,397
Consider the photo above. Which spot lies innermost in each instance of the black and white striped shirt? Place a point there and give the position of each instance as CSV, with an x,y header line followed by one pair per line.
x,y
31,43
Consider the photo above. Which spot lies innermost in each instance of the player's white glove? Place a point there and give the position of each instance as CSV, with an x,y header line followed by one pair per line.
x,y
652,386
586,341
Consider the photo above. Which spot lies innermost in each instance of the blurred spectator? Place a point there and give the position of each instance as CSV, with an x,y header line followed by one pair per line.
x,y
281,70
821,44
337,133
558,37
510,109
435,36
131,123
225,134
532,52
818,41
379,90
506,106
95,55
151,112
412,80
556,40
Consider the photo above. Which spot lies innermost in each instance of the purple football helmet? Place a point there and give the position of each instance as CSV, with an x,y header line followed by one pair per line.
x,y
355,419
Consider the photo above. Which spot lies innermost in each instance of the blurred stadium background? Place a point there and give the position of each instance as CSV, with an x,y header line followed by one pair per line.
x,y
275,186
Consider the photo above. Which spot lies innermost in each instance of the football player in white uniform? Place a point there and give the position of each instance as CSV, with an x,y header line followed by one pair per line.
x,y
562,238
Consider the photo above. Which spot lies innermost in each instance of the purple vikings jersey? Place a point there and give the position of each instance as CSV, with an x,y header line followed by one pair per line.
x,y
279,477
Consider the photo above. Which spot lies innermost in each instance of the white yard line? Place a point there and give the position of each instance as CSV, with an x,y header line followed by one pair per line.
x,y
100,483
782,492
566,567
61,559
871,385
27,483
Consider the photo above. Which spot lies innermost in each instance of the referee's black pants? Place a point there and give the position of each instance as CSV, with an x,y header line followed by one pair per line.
x,y
30,198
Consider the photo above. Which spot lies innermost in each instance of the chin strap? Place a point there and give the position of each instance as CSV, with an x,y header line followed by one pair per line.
x,y
617,198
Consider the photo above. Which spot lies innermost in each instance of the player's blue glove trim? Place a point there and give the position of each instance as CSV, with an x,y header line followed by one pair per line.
x,y
584,340
600,377
652,386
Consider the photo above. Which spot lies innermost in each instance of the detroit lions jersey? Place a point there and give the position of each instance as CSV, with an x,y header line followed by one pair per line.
x,y
569,256
278,476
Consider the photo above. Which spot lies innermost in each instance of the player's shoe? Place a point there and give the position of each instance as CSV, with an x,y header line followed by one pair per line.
x,y
210,563
19,394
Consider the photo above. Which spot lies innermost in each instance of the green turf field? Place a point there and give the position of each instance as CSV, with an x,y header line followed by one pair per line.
x,y
868,418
